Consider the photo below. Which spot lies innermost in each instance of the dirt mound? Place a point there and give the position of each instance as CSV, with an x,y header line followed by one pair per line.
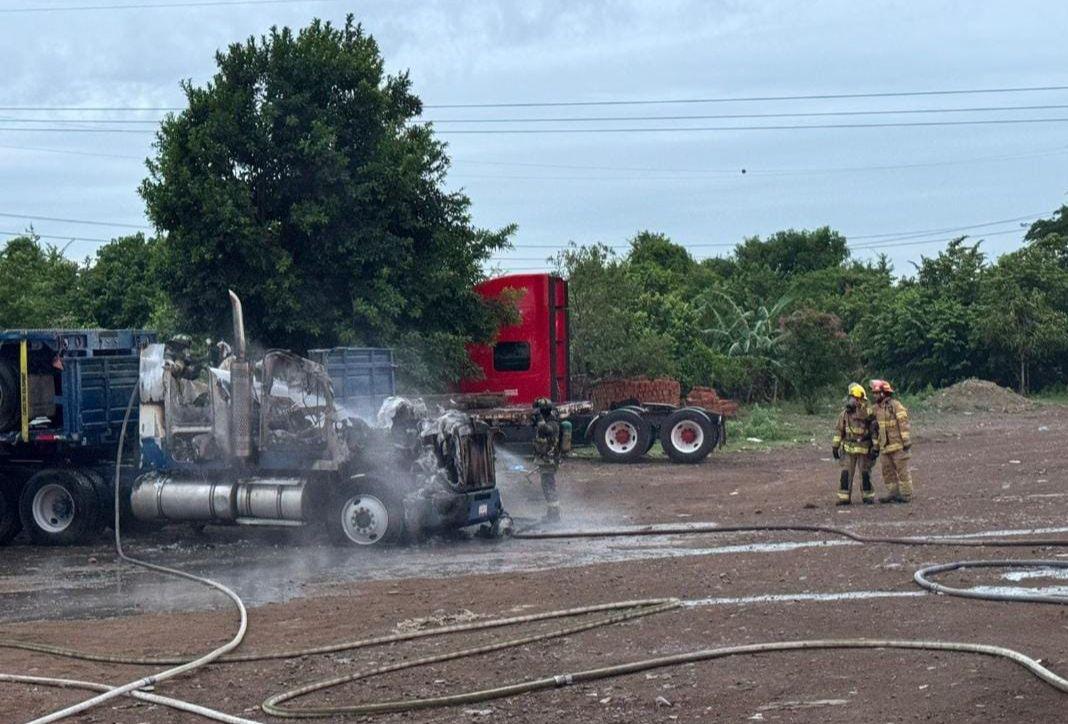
x,y
975,395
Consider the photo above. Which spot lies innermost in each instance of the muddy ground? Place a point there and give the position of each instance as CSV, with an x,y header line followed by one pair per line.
x,y
974,473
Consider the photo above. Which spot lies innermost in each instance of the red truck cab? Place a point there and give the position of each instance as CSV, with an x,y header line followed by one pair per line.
x,y
529,359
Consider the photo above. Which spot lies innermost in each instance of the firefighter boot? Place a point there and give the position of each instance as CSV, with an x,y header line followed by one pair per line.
x,y
843,488
552,515
867,491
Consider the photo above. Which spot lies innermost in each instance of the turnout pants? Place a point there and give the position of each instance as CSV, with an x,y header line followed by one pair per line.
x,y
852,463
548,485
896,473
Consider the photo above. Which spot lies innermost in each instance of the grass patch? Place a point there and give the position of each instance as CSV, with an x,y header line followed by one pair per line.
x,y
766,427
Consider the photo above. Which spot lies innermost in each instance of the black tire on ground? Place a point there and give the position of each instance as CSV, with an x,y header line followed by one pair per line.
x,y
10,525
60,507
622,436
688,435
364,512
9,397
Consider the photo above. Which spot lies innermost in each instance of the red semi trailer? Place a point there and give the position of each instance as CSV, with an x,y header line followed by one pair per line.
x,y
531,359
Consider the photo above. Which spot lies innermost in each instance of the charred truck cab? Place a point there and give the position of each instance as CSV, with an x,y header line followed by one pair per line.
x,y
242,442
266,443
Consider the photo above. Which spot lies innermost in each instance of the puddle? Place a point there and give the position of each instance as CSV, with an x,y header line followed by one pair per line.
x,y
41,583
799,597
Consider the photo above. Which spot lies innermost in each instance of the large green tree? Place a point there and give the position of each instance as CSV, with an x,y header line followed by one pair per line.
x,y
299,177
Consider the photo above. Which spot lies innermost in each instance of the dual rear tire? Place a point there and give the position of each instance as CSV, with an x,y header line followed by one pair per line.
x,y
687,435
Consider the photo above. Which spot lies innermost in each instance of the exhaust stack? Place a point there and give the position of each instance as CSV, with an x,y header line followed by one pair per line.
x,y
240,387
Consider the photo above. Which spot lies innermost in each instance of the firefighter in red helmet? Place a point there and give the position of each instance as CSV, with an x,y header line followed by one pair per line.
x,y
893,443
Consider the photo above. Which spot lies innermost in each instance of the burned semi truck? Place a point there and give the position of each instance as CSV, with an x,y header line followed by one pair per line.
x,y
246,441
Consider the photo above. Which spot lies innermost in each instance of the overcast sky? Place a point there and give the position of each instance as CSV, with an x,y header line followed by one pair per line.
x,y
873,184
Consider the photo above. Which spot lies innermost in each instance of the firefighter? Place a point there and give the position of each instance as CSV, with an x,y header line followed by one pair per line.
x,y
547,453
893,443
852,446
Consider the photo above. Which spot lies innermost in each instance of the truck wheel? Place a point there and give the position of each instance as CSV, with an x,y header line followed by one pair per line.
x,y
622,436
688,435
366,514
9,397
60,507
10,525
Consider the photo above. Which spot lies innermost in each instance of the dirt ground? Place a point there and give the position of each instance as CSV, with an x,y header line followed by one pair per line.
x,y
974,473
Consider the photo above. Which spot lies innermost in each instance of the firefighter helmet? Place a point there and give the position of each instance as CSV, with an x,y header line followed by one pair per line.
x,y
856,391
543,404
882,386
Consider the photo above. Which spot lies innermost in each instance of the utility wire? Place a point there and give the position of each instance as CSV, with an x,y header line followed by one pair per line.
x,y
155,5
891,236
593,119
71,152
751,99
57,237
806,127
632,129
555,104
890,244
74,221
701,117
743,169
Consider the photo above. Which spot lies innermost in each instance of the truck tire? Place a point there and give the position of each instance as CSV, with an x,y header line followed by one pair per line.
x,y
688,436
365,513
9,397
10,525
60,507
622,436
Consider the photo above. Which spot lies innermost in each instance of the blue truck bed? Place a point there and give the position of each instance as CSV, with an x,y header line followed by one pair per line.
x,y
89,374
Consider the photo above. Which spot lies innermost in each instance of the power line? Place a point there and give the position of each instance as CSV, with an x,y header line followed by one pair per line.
x,y
73,221
884,238
751,99
806,114
58,237
946,230
110,109
155,5
110,121
593,119
638,129
78,130
648,129
555,104
748,170
71,152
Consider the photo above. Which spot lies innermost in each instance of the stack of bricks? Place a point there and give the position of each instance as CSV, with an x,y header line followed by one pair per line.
x,y
707,398
611,392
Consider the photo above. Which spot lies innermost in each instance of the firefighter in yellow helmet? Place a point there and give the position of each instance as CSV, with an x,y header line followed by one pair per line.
x,y
852,446
893,442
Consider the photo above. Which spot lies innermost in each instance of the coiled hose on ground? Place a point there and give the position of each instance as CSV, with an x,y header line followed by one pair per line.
x,y
184,666
620,612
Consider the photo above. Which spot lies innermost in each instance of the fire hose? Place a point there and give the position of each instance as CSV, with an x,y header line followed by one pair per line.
x,y
620,612
185,666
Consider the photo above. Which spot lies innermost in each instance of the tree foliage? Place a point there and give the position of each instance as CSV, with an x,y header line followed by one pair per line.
x,y
39,287
816,354
299,177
